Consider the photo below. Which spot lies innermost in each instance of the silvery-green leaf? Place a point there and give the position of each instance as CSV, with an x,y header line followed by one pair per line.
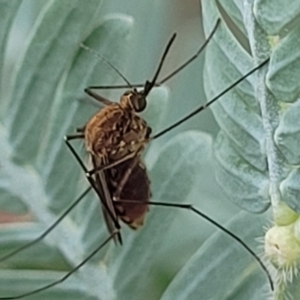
x,y
220,269
238,115
8,9
19,234
50,51
290,188
21,281
257,149
273,16
283,76
235,10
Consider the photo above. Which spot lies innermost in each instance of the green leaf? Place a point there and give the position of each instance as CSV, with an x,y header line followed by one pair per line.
x,y
240,144
290,189
283,76
273,16
22,281
19,234
8,10
257,148
220,269
50,51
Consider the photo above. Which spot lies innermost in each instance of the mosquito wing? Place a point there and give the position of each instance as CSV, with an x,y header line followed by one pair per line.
x,y
106,201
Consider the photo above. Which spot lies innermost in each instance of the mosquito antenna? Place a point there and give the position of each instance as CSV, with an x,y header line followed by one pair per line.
x,y
107,62
197,110
194,56
151,84
154,83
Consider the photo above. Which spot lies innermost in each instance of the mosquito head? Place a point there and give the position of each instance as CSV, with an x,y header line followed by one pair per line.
x,y
133,100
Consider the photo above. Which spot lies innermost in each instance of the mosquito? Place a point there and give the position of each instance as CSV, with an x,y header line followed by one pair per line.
x,y
115,139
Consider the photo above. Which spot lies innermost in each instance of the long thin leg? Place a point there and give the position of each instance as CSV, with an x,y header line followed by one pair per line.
x,y
115,163
69,138
100,180
98,171
194,56
98,97
127,174
172,73
90,179
150,84
67,275
204,216
81,130
49,229
197,110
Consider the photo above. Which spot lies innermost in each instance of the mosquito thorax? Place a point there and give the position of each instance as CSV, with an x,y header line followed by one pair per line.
x,y
117,130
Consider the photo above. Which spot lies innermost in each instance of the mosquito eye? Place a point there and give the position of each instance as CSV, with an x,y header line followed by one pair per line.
x,y
139,103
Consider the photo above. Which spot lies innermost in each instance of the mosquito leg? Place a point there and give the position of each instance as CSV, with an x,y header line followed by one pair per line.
x,y
95,170
68,274
127,174
98,97
89,178
98,171
67,139
80,129
150,84
74,137
111,165
49,229
204,216
112,87
194,56
200,108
